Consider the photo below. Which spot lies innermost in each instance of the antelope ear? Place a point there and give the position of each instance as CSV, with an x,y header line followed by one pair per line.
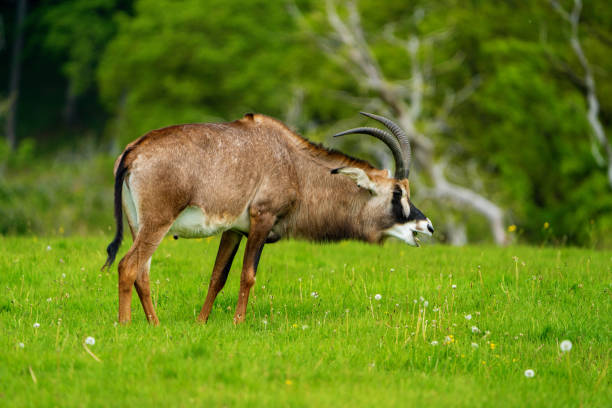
x,y
359,176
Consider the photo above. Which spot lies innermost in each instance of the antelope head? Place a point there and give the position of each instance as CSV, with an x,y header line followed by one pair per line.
x,y
391,195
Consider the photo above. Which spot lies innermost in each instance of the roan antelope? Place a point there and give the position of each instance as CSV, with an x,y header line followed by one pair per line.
x,y
253,177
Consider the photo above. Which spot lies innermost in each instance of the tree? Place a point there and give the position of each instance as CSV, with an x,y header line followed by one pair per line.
x,y
77,30
11,118
346,44
185,61
587,82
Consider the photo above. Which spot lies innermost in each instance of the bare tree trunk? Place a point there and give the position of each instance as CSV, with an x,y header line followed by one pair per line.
x,y
69,105
365,69
15,74
573,19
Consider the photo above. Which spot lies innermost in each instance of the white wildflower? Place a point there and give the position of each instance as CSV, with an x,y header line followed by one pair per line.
x,y
566,346
48,247
314,294
21,345
475,345
425,303
468,317
529,373
434,343
264,322
454,286
475,329
90,340
304,327
36,325
377,296
49,299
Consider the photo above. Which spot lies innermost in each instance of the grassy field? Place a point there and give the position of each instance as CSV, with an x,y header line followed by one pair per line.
x,y
451,327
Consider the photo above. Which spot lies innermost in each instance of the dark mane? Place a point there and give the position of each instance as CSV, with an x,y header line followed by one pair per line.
x,y
316,150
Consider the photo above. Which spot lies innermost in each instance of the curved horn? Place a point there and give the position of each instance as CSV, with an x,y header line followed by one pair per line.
x,y
388,139
402,138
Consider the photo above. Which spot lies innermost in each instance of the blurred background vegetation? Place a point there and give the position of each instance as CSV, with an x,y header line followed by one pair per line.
x,y
508,103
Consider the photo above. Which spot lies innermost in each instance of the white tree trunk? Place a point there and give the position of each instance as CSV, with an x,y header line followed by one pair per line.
x,y
363,66
573,19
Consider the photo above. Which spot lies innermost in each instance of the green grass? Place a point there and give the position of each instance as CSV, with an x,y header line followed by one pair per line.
x,y
342,348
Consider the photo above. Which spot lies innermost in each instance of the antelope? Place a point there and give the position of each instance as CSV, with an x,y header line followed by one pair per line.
x,y
253,177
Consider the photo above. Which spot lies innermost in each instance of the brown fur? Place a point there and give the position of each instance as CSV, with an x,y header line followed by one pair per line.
x,y
256,163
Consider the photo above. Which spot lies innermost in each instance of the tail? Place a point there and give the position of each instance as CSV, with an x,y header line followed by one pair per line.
x,y
113,247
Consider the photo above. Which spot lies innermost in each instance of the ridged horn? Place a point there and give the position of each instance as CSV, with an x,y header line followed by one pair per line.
x,y
402,138
388,139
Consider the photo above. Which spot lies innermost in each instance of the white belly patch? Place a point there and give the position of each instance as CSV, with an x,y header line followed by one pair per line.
x,y
192,222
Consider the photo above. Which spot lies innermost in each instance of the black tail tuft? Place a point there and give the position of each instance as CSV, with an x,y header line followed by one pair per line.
x,y
113,247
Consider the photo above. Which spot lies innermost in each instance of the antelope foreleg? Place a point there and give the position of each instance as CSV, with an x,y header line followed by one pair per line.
x,y
261,225
230,240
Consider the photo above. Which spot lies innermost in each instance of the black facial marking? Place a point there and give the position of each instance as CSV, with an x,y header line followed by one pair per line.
x,y
396,207
415,214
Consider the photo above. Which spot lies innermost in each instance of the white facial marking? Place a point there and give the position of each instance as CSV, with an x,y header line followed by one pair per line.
x,y
406,232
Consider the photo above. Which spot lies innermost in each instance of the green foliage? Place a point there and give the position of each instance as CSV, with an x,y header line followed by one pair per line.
x,y
77,30
188,61
521,138
341,348
72,195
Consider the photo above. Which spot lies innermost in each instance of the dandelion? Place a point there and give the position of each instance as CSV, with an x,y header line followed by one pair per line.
x,y
90,340
546,225
421,298
21,345
36,325
529,373
475,345
475,329
454,286
434,343
565,346
468,317
314,294
425,303
449,339
492,346
377,296
288,382
511,228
